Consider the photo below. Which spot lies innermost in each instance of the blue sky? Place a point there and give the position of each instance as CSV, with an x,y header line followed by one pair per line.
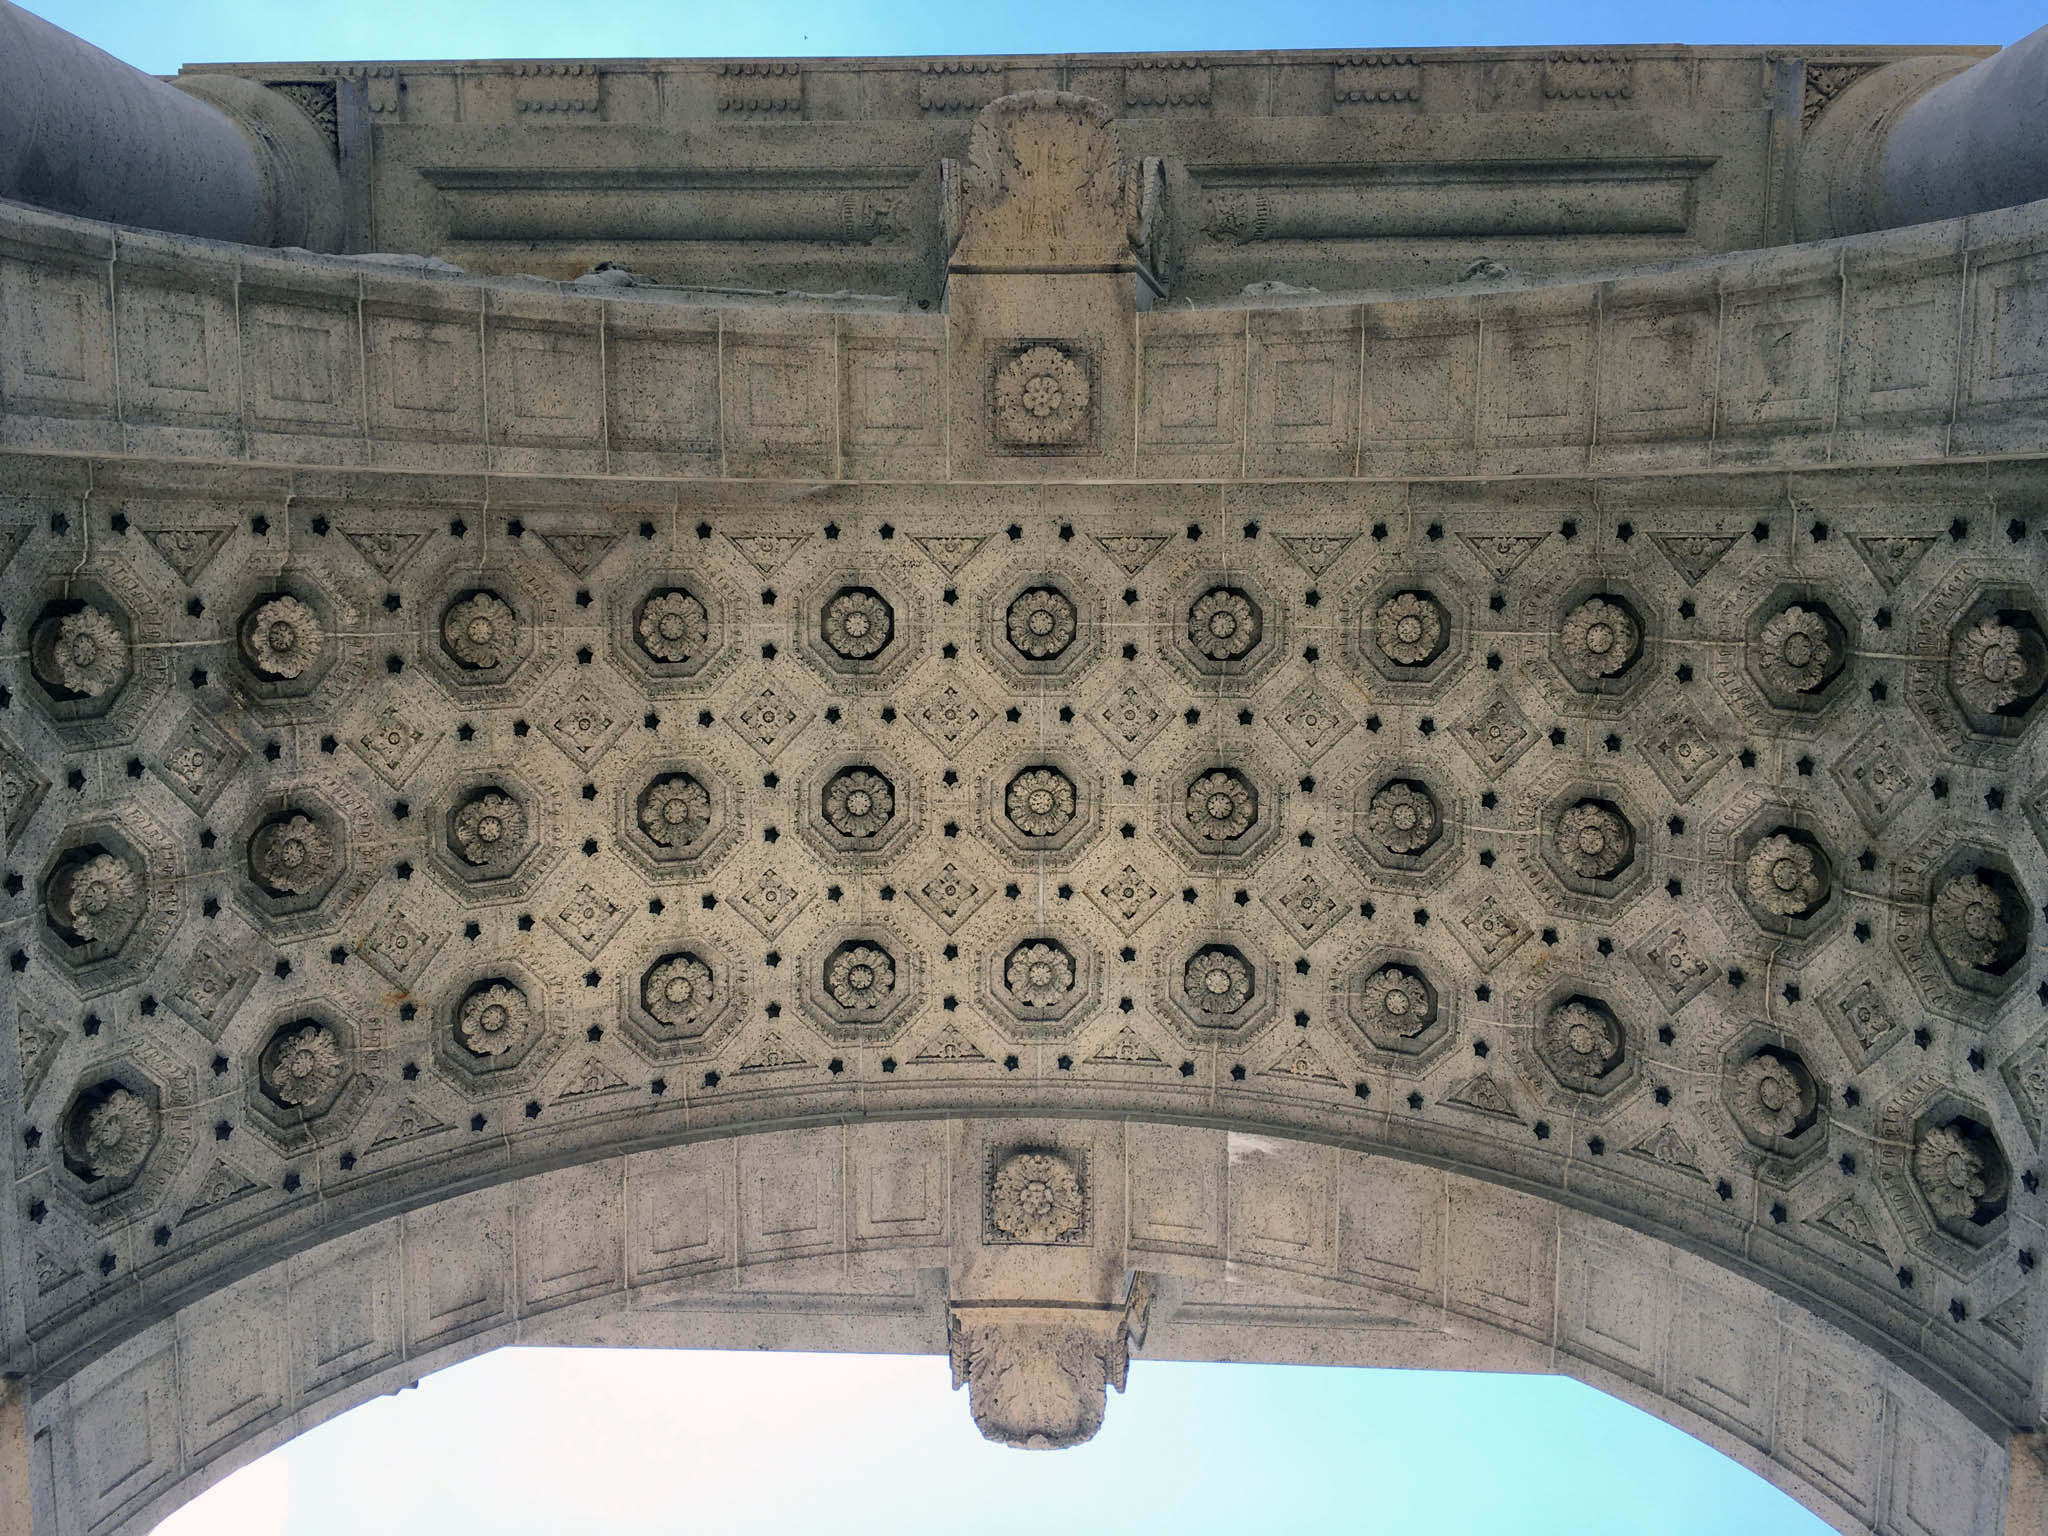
x,y
545,1442
553,1441
156,35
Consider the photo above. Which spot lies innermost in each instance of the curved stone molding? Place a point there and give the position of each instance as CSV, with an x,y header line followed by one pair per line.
x,y
574,1256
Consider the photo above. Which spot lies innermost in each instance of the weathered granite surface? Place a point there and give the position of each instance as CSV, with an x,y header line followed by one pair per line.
x,y
1501,825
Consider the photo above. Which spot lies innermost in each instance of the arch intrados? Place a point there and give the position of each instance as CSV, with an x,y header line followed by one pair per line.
x,y
1311,1270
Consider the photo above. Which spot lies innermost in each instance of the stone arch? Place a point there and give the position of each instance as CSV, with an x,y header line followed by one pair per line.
x,y
1254,1247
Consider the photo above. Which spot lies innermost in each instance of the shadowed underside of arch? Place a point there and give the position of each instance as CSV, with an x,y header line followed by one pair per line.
x,y
1498,826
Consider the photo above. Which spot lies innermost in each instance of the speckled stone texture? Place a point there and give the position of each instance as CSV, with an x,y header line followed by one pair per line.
x,y
1497,826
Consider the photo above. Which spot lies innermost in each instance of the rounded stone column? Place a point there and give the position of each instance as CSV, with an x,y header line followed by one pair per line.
x,y
1978,140
1935,136
213,155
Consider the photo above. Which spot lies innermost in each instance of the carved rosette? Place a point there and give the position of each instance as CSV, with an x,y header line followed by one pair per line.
x,y
480,632
1041,623
679,991
1221,807
673,626
81,654
302,1065
1218,980
1042,398
861,978
494,1019
1039,974
1581,1042
1794,652
858,802
1775,1096
1036,1197
1786,877
489,830
1402,817
1969,922
674,810
857,623
110,1133
1598,640
1991,666
1594,840
281,638
1224,624
1040,802
292,856
1395,998
1962,1174
94,900
1409,628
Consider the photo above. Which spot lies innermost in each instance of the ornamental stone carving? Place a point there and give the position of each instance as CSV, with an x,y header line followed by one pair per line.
x,y
1992,665
1224,624
673,626
1581,1041
861,978
302,1064
1036,1196
1039,1384
1786,877
1040,802
1039,974
81,654
1397,1001
674,810
1795,651
1410,628
1218,980
678,991
1598,640
858,802
292,855
1041,623
480,632
488,830
109,1132
1594,840
94,898
1221,807
1402,817
281,638
1042,398
494,1019
857,623
1974,921
1775,1097
1963,1175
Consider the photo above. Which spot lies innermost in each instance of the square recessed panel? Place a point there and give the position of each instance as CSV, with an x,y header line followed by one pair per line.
x,y
2009,301
569,1245
1778,358
301,366
678,1211
458,1267
1390,1224
1177,1176
779,391
546,390
661,391
1191,383
1302,393
56,339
